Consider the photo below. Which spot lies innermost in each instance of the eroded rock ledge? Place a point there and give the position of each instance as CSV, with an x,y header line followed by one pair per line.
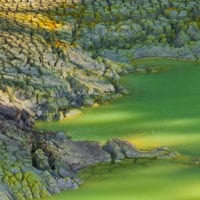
x,y
35,164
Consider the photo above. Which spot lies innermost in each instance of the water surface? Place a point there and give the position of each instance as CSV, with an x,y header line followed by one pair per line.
x,y
161,109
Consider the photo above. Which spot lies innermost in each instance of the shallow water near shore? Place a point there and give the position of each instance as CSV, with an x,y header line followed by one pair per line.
x,y
162,109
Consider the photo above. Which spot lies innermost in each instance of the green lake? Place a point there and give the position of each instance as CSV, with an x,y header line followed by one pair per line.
x,y
162,109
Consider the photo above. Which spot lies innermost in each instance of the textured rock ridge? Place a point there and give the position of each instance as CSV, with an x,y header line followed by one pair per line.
x,y
59,54
35,164
41,67
56,55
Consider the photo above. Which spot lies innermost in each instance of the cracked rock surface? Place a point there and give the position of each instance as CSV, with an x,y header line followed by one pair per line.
x,y
35,164
56,55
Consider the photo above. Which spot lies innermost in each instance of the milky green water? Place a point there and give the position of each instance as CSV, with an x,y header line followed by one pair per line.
x,y
161,109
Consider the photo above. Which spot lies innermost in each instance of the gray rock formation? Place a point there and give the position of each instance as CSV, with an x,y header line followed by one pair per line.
x,y
35,164
119,150
4,193
40,66
56,55
63,54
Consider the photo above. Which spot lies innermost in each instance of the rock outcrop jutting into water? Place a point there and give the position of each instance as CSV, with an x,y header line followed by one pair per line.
x,y
56,55
35,164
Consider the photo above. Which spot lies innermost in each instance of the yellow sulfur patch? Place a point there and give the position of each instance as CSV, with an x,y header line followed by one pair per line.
x,y
33,19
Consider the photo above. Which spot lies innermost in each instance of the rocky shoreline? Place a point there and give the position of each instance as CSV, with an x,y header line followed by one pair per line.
x,y
58,55
36,164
